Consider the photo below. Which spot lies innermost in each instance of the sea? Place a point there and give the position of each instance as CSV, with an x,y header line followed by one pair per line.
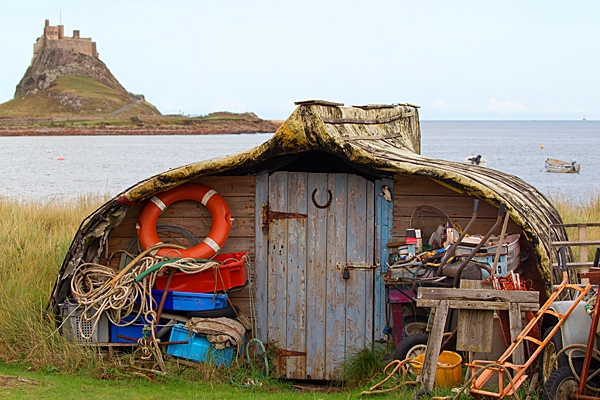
x,y
62,168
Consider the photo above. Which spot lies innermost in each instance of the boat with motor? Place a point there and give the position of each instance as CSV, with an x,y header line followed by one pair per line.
x,y
554,165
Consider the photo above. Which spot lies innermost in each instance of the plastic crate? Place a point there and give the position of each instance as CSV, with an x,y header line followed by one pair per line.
x,y
71,318
510,255
187,301
232,273
134,331
198,348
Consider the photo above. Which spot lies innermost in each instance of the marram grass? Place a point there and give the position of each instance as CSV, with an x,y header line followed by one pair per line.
x,y
35,237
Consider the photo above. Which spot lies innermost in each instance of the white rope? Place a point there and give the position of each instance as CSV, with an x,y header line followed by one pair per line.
x,y
95,295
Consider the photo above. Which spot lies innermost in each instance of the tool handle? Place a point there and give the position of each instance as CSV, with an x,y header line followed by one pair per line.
x,y
501,210
475,205
563,259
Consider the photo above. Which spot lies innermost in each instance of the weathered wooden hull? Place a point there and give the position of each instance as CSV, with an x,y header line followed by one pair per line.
x,y
317,209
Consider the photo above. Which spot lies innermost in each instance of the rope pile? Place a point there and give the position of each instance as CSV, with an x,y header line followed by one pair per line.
x,y
99,289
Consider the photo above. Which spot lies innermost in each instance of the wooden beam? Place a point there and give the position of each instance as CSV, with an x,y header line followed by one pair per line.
x,y
515,296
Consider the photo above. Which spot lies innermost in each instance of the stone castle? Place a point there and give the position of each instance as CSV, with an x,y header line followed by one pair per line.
x,y
55,55
54,38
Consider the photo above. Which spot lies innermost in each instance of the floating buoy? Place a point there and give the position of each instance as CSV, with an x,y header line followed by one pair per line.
x,y
60,158
542,146
48,151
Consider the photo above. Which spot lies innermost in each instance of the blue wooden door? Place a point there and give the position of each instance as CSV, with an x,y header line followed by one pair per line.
x,y
321,224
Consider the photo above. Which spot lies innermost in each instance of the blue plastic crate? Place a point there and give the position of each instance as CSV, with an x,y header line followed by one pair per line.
x,y
134,331
198,348
188,301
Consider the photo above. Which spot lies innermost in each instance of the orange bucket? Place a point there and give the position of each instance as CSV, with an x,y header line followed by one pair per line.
x,y
449,368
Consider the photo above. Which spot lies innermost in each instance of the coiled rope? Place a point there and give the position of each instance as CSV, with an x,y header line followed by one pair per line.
x,y
583,349
99,289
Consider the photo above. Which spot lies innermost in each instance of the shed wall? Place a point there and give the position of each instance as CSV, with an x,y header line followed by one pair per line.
x,y
238,191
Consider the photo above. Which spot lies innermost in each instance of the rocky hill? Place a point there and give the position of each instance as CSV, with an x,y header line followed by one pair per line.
x,y
67,78
68,90
52,63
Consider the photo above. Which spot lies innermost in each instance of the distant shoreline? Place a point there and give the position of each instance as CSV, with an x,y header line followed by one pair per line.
x,y
231,128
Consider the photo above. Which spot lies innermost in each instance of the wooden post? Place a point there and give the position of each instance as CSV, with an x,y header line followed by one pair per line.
x,y
583,250
516,326
434,345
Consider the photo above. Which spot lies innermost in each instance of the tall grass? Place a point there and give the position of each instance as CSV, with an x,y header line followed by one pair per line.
x,y
34,239
587,210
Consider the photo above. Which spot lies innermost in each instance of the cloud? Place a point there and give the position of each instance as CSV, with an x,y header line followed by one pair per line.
x,y
440,105
506,106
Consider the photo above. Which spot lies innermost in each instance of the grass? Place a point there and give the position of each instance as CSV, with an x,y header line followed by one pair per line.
x,y
35,237
96,99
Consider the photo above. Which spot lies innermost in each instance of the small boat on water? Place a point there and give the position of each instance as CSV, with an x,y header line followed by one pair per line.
x,y
476,159
554,165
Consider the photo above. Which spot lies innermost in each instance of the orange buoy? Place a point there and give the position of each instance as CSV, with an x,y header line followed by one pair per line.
x,y
213,201
60,158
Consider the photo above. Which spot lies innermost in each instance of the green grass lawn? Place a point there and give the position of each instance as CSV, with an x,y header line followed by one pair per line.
x,y
17,382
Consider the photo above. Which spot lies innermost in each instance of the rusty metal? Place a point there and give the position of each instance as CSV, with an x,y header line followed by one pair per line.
x,y
513,372
329,199
281,353
594,278
268,215
289,353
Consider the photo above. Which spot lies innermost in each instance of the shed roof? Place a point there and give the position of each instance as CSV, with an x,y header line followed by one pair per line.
x,y
381,137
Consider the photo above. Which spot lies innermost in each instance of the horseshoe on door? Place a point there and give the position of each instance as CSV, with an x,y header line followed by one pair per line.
x,y
329,198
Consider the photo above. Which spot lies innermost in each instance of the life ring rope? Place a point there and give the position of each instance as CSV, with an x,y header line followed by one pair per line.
x,y
210,198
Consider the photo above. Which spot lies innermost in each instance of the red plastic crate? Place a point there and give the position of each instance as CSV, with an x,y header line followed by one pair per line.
x,y
232,273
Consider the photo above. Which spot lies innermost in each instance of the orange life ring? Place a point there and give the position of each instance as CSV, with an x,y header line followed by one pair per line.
x,y
213,201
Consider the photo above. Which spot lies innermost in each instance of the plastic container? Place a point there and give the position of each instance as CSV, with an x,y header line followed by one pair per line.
x,y
510,255
134,331
185,301
71,317
449,368
232,273
198,348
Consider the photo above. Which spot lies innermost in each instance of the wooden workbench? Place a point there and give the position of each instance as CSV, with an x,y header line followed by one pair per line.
x,y
443,299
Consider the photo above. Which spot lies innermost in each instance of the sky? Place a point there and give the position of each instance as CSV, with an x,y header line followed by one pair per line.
x,y
458,60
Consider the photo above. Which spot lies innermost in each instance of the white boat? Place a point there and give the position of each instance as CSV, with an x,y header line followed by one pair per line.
x,y
476,159
554,165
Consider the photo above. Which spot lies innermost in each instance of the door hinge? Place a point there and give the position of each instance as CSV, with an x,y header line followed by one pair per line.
x,y
268,215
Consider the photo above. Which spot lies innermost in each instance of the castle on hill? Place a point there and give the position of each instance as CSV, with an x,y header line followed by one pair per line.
x,y
54,38
56,55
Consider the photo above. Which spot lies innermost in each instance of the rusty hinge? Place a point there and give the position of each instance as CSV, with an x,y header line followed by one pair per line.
x,y
268,215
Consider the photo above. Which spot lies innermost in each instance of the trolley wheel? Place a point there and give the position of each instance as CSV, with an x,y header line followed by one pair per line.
x,y
561,384
415,324
421,394
411,346
548,362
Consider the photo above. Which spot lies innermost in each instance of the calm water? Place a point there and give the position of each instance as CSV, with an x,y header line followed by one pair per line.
x,y
520,148
110,164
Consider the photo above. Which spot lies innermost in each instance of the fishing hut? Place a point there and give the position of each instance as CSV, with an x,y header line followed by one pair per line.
x,y
319,214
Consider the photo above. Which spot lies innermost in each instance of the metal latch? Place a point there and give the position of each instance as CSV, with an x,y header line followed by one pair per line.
x,y
268,215
355,265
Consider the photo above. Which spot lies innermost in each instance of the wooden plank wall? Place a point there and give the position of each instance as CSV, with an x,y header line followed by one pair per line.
x,y
238,191
412,191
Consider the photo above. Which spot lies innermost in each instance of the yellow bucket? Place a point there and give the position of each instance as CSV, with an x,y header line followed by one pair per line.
x,y
448,372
